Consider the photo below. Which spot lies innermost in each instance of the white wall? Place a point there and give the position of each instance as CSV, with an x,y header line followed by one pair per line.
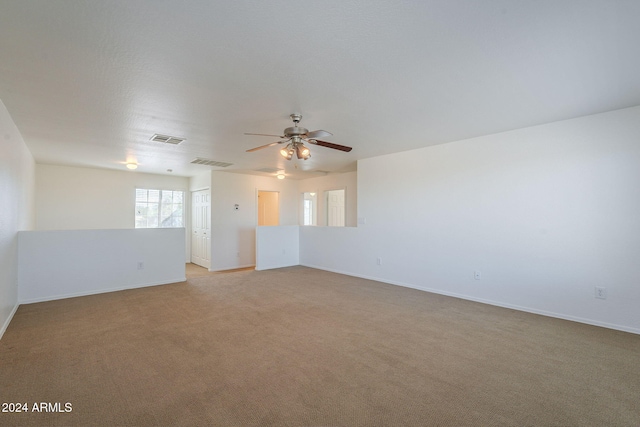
x,y
277,247
70,263
544,213
17,177
347,181
200,182
74,198
233,234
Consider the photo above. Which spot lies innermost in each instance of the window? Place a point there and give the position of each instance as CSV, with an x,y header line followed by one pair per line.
x,y
309,208
308,215
159,208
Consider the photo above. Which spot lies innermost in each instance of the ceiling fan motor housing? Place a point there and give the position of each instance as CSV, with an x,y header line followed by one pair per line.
x,y
295,131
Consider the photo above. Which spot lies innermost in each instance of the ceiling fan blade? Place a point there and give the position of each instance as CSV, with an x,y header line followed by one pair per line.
x,y
318,134
264,134
265,146
331,145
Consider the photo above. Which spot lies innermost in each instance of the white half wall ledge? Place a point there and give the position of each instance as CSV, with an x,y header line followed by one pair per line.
x,y
277,247
69,263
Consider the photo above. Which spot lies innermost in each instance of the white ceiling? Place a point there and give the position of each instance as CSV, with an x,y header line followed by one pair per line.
x,y
89,82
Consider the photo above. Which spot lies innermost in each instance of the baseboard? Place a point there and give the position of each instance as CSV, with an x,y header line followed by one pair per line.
x,y
273,267
6,323
236,267
100,291
489,302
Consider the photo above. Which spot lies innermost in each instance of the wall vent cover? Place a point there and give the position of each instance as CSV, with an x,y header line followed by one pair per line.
x,y
166,139
201,161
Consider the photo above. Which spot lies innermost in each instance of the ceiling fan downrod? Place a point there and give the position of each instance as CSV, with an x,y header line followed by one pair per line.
x,y
296,118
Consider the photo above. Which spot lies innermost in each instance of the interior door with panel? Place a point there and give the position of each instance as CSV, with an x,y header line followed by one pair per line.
x,y
335,208
201,228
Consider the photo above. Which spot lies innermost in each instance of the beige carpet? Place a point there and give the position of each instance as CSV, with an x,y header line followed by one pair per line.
x,y
303,347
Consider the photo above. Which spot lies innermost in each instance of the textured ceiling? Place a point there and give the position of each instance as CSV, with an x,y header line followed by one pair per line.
x,y
88,83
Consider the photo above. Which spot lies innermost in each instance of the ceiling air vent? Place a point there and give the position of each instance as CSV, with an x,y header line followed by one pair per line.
x,y
201,161
268,170
166,139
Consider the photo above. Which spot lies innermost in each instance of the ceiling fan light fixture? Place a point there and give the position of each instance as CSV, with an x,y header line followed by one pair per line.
x,y
302,152
287,152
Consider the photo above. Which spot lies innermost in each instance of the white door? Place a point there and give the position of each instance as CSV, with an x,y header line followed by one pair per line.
x,y
335,208
201,228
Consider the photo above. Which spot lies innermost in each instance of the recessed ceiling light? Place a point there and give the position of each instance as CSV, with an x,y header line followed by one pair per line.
x,y
132,166
280,176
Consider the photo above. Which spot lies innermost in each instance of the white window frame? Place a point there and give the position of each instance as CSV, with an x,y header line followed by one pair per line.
x,y
168,221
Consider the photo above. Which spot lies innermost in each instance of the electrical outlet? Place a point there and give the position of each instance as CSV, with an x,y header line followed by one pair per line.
x,y
477,275
140,265
601,293
379,261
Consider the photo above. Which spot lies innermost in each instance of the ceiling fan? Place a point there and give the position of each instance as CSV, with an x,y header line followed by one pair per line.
x,y
296,136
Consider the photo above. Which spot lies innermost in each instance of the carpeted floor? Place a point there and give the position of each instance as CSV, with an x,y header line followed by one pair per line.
x,y
303,347
192,271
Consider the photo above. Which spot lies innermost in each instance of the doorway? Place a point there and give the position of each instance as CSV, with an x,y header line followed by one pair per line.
x,y
268,208
201,228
